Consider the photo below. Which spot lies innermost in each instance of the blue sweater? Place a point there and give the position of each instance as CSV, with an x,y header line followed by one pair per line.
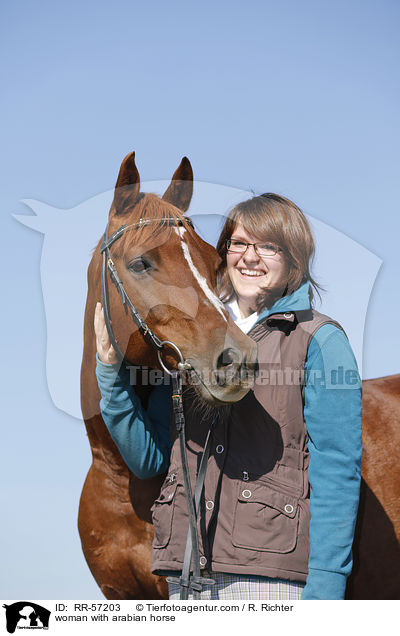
x,y
332,413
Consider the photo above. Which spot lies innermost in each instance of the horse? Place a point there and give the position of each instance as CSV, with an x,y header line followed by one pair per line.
x,y
376,547
170,273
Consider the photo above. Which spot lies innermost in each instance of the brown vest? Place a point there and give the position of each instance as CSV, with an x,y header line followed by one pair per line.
x,y
255,510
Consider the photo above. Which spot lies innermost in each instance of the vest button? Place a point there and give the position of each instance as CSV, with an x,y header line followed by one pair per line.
x,y
246,494
209,505
220,449
203,561
289,508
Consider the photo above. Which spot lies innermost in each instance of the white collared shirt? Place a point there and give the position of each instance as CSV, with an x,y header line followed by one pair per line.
x,y
245,324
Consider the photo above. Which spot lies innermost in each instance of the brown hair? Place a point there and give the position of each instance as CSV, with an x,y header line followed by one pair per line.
x,y
271,217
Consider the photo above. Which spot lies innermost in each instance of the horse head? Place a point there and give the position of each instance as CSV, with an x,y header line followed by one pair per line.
x,y
169,274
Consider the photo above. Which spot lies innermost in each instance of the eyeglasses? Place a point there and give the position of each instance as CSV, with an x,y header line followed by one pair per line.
x,y
262,249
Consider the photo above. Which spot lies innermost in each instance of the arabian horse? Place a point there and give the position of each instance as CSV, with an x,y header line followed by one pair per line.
x,y
169,273
176,296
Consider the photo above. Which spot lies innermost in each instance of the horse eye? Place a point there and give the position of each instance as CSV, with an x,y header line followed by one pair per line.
x,y
139,266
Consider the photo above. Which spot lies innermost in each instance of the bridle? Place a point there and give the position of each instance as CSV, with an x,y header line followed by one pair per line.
x,y
108,265
192,553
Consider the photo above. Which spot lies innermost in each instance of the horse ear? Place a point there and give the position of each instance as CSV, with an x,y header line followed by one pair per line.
x,y
128,185
180,190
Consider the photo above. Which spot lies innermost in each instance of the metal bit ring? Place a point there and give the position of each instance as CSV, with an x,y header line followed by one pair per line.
x,y
182,364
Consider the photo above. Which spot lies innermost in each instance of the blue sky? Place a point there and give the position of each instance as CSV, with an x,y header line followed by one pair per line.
x,y
296,98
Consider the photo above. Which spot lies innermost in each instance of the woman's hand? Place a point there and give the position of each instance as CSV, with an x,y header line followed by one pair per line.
x,y
105,350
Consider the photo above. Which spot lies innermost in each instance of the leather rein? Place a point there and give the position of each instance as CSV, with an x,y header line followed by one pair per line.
x,y
187,580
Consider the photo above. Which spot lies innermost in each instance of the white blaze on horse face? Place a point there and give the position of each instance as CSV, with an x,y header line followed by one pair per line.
x,y
214,300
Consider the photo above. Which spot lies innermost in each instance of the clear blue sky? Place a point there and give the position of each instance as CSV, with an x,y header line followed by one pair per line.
x,y
300,98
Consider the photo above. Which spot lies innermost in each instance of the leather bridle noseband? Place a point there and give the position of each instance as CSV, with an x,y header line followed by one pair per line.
x,y
186,581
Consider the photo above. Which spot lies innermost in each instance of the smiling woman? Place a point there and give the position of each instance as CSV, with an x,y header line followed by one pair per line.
x,y
269,247
254,269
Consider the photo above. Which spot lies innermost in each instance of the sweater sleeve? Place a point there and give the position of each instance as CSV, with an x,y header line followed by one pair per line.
x,y
332,414
142,436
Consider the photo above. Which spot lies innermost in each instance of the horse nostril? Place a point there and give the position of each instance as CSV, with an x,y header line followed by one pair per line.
x,y
227,358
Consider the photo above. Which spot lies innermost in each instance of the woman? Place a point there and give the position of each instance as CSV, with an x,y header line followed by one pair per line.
x,y
282,484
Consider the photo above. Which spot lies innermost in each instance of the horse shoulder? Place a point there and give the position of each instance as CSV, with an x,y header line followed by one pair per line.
x,y
381,443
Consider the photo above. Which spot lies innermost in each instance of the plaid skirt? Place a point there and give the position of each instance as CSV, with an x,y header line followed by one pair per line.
x,y
231,587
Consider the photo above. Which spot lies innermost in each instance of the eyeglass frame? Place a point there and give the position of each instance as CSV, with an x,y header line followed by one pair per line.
x,y
277,250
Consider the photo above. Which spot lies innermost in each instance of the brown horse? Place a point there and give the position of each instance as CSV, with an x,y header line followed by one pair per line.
x,y
169,274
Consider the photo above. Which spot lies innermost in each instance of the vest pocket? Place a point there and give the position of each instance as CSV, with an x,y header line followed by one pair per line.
x,y
265,519
162,511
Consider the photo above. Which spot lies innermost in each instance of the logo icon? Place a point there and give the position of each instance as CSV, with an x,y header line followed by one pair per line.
x,y
26,615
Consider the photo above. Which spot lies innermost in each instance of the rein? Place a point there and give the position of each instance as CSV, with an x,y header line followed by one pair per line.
x,y
192,552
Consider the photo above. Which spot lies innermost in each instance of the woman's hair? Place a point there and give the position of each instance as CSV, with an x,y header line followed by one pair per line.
x,y
271,218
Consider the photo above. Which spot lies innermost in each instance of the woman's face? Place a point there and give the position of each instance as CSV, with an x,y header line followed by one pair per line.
x,y
251,275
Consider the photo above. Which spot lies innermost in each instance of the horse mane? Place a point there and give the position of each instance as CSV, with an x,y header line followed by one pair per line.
x,y
150,207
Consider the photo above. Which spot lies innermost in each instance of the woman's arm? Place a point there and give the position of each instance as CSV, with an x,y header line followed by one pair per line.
x,y
142,436
332,414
